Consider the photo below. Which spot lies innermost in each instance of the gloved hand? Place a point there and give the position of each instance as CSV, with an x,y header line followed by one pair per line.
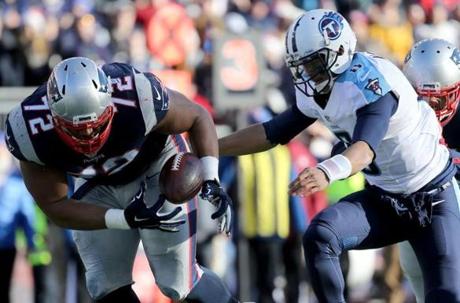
x,y
138,215
215,194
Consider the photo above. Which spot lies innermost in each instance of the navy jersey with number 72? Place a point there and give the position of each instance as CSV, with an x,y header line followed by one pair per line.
x,y
140,101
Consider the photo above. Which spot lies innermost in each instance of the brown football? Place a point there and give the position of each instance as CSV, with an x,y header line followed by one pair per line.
x,y
181,177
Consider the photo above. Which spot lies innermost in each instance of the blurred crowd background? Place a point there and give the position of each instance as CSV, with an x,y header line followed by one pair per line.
x,y
227,55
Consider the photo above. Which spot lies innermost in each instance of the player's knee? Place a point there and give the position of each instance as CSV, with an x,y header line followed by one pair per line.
x,y
319,239
123,294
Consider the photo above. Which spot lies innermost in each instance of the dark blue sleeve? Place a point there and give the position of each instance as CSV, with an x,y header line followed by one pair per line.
x,y
338,148
285,126
373,119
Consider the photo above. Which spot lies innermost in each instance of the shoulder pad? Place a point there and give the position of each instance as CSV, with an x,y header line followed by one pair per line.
x,y
17,138
365,75
153,99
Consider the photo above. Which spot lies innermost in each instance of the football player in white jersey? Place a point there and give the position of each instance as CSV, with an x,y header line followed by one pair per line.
x,y
433,68
390,136
112,128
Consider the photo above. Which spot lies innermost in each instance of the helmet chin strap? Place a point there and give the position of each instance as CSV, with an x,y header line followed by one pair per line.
x,y
329,84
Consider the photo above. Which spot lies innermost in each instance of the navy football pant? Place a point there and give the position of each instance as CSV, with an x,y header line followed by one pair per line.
x,y
362,220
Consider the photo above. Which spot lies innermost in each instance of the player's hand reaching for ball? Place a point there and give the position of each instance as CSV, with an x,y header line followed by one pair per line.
x,y
138,215
214,193
309,181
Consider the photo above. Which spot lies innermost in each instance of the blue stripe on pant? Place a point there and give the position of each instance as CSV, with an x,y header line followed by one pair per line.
x,y
363,220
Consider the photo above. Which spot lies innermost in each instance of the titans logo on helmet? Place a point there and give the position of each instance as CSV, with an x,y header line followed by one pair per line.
x,y
374,86
332,24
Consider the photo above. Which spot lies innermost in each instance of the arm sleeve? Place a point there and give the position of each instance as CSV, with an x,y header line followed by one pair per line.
x,y
282,128
373,119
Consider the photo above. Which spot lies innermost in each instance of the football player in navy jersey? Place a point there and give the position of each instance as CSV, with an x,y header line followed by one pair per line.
x,y
391,137
112,128
433,68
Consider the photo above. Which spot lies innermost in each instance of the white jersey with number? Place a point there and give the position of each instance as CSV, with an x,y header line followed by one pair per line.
x,y
410,155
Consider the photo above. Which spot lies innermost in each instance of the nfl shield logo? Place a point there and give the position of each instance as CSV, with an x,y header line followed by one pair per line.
x,y
374,86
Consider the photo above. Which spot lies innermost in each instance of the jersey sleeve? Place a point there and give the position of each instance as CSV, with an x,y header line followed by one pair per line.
x,y
364,82
282,128
372,120
153,99
160,96
24,123
11,141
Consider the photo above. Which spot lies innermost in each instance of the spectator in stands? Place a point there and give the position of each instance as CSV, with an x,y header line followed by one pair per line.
x,y
441,26
390,27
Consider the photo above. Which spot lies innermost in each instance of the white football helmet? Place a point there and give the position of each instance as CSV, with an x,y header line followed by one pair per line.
x,y
433,68
79,97
319,46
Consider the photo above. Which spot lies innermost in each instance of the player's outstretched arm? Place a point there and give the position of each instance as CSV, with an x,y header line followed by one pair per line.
x,y
49,189
249,140
263,136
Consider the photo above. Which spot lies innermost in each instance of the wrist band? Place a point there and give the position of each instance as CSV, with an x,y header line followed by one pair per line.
x,y
335,168
210,168
115,219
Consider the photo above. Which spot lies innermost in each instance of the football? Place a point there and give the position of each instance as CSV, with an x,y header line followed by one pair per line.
x,y
181,177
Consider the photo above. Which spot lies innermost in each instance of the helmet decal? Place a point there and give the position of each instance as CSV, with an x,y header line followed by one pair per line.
x,y
294,44
53,90
332,24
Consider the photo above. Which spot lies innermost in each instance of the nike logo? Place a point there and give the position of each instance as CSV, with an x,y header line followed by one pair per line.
x,y
140,219
138,196
363,77
437,202
158,97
